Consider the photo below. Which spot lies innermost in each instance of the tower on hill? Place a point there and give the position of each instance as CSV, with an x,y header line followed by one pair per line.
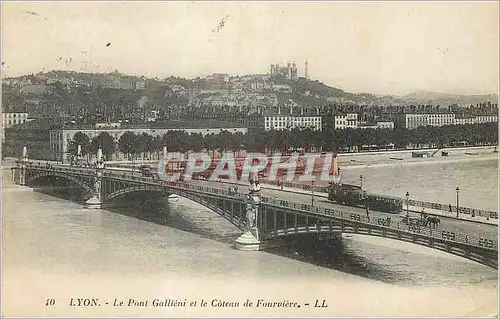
x,y
306,75
288,72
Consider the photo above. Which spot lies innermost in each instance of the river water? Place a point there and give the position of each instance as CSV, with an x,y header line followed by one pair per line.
x,y
54,248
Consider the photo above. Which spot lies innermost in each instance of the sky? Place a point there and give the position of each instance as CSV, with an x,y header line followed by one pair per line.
x,y
381,48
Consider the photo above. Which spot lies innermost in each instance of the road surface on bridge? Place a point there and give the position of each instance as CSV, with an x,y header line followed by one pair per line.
x,y
449,224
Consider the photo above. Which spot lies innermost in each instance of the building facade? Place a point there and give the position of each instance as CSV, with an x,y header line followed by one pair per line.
x,y
388,125
385,125
486,119
35,135
414,120
11,119
60,139
345,121
440,119
285,122
461,120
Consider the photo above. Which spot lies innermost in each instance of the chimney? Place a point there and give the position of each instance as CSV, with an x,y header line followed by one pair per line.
x,y
279,110
317,110
291,110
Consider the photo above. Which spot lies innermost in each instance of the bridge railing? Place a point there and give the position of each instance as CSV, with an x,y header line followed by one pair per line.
x,y
50,167
446,208
480,241
411,202
305,187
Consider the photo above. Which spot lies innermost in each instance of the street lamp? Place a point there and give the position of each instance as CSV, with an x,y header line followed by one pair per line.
x,y
458,209
312,193
361,178
408,206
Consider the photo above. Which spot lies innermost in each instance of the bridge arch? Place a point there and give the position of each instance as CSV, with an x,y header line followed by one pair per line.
x,y
236,219
132,190
83,185
476,254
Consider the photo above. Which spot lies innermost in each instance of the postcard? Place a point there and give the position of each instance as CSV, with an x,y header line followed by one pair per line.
x,y
249,159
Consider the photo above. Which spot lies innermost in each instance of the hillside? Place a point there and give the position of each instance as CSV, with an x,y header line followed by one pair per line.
x,y
446,99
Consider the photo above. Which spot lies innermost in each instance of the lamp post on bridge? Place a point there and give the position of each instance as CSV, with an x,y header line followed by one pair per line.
x,y
458,208
96,201
250,239
408,206
312,193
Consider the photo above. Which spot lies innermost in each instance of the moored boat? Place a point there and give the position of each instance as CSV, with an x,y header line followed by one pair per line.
x,y
172,198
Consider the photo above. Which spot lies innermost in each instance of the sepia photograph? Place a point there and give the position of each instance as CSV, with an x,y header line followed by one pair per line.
x,y
239,159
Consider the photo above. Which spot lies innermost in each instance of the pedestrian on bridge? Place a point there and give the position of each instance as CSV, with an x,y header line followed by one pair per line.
x,y
422,214
367,212
449,208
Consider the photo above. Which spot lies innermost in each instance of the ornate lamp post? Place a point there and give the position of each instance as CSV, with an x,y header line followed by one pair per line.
x,y
250,238
408,206
458,208
312,193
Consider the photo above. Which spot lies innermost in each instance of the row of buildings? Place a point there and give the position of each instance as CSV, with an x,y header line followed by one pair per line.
x,y
310,118
317,121
414,120
52,142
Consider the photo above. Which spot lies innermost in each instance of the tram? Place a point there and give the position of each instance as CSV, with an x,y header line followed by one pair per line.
x,y
353,195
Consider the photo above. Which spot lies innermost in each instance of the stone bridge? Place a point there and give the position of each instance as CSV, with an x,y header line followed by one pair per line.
x,y
263,220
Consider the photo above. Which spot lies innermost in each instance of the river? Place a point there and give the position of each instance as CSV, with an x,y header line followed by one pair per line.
x,y
55,249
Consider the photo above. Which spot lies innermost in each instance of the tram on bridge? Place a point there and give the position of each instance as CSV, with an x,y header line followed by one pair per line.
x,y
353,195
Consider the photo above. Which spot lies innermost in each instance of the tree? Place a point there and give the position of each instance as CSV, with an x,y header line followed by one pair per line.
x,y
127,144
144,143
80,139
106,142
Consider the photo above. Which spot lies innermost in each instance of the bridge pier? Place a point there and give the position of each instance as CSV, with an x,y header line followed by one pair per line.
x,y
250,239
20,177
96,201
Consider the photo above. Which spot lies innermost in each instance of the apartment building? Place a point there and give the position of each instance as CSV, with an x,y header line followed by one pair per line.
x,y
345,121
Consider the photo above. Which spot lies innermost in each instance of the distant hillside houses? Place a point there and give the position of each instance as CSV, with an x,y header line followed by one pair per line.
x,y
33,89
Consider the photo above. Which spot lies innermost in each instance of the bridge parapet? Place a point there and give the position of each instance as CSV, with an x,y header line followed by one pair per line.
x,y
411,202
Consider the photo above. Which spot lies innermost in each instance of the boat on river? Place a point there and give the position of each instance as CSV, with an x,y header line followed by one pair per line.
x,y
173,198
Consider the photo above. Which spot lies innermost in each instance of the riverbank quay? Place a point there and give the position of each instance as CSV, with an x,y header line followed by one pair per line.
x,y
402,157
